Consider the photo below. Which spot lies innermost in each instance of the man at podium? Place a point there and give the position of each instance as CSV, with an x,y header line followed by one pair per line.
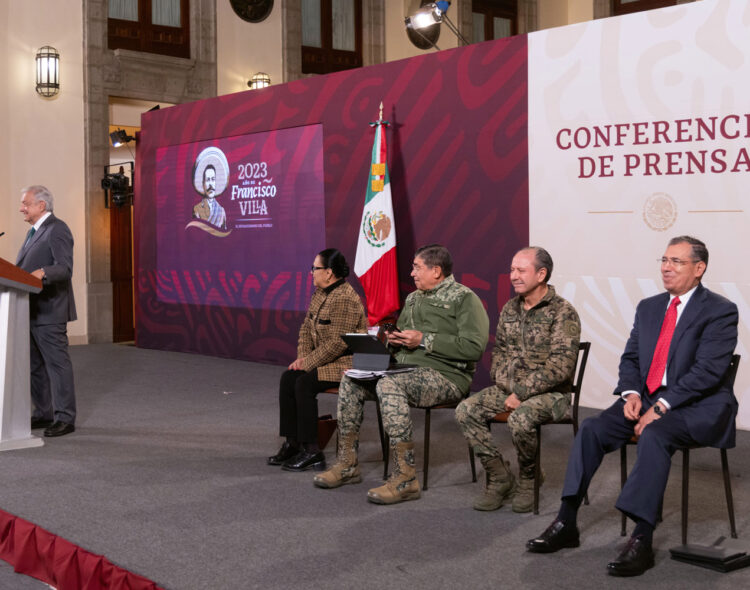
x,y
47,253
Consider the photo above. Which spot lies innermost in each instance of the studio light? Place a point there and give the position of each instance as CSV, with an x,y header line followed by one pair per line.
x,y
47,71
259,80
427,15
430,15
120,137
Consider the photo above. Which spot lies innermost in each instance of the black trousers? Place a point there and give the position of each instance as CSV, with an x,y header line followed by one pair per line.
x,y
298,404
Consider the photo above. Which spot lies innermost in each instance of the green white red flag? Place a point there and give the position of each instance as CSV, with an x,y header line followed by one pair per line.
x,y
375,263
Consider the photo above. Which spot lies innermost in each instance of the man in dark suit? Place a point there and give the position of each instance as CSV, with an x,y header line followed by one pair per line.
x,y
672,393
47,253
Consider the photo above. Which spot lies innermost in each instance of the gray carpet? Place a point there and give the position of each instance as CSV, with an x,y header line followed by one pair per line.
x,y
166,477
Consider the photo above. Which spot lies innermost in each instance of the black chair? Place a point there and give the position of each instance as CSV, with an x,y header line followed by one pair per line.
x,y
729,377
570,418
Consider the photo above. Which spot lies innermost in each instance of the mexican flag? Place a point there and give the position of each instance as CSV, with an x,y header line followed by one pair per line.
x,y
375,263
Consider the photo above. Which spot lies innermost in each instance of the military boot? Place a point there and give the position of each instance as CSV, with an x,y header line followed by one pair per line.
x,y
500,485
346,469
402,484
523,501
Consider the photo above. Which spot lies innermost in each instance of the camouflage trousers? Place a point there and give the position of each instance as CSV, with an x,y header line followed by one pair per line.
x,y
474,412
395,394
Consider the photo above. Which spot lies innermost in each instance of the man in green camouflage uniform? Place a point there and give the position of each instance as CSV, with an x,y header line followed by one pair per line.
x,y
443,329
533,361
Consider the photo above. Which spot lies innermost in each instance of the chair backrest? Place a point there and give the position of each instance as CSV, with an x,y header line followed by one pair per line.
x,y
583,357
731,372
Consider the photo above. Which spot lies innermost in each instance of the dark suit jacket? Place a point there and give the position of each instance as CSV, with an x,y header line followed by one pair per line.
x,y
699,355
50,248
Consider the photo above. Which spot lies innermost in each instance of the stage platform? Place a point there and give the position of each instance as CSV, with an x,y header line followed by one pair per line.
x,y
166,476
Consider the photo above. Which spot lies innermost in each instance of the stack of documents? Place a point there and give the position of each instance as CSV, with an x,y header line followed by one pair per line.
x,y
370,375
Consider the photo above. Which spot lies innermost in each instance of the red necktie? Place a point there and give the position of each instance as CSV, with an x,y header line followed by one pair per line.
x,y
659,362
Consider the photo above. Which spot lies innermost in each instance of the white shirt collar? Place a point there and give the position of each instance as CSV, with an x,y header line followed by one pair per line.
x,y
41,220
683,301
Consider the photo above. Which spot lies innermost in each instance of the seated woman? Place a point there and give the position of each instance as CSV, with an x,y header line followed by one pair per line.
x,y
335,309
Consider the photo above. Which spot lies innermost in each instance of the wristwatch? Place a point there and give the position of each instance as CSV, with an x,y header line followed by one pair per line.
x,y
659,412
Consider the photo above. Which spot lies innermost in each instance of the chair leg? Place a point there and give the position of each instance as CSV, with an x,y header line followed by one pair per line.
x,y
383,441
473,464
623,479
685,486
537,468
426,448
728,491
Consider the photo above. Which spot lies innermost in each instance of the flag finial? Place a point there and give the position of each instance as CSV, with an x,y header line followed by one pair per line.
x,y
380,120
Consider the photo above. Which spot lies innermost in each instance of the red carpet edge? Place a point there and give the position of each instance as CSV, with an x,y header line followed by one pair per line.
x,y
35,552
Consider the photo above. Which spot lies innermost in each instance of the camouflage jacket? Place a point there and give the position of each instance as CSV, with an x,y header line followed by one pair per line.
x,y
455,327
536,350
333,311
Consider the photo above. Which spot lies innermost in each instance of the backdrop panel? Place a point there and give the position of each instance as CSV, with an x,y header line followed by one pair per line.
x,y
639,129
267,218
458,166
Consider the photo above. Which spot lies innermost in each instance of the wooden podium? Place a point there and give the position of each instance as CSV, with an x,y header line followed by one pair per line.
x,y
15,378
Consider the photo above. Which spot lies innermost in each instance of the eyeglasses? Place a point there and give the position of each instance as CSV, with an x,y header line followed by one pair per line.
x,y
675,262
313,268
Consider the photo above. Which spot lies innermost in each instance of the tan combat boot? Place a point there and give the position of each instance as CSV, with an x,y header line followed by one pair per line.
x,y
402,484
523,501
500,485
346,469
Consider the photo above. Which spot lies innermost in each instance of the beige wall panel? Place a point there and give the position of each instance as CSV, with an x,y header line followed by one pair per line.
x,y
244,48
43,138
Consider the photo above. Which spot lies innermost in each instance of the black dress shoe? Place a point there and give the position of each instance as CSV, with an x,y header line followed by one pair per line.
x,y
286,452
636,558
305,460
37,423
557,536
59,429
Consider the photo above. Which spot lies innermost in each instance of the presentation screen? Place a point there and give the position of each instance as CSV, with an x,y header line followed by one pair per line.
x,y
237,214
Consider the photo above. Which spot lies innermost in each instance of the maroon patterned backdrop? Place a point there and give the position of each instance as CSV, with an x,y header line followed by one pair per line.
x,y
458,165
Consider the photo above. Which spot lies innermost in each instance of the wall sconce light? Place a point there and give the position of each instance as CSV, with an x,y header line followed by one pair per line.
x,y
259,80
47,71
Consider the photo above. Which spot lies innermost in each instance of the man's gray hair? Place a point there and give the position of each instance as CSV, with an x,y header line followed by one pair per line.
x,y
700,252
41,193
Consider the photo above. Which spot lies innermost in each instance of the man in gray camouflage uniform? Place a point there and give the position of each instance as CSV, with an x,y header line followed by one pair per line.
x,y
443,329
533,361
